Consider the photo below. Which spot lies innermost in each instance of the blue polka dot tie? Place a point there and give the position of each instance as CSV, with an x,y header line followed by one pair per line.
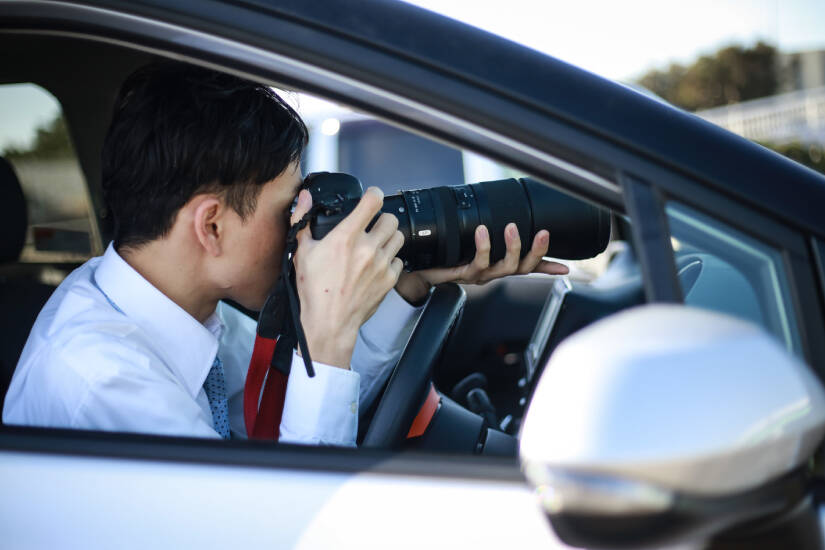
x,y
215,387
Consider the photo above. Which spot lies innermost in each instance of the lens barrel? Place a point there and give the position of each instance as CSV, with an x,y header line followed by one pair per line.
x,y
439,223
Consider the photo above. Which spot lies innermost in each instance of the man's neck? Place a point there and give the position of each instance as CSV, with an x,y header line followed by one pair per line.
x,y
178,276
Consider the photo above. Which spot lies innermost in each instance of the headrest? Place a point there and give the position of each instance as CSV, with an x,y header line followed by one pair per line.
x,y
13,216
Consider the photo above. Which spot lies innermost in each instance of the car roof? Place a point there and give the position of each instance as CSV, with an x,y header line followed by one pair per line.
x,y
602,108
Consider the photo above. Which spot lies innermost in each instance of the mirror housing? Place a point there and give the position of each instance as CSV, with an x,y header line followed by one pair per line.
x,y
665,422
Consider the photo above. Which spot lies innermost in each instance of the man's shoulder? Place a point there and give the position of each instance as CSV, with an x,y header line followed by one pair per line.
x,y
78,306
79,320
78,342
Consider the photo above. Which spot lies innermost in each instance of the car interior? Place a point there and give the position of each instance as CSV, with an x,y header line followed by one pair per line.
x,y
495,342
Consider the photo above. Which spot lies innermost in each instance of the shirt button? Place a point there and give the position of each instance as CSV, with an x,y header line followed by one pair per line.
x,y
353,408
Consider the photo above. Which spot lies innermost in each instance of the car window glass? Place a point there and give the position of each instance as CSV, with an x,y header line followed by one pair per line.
x,y
723,269
35,140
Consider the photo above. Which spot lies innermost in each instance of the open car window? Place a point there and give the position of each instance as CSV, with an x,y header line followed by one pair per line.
x,y
379,153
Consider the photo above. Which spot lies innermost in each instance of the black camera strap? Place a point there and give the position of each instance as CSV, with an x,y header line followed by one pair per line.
x,y
287,285
279,330
280,317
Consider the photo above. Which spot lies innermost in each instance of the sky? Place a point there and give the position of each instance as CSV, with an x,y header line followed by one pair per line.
x,y
619,39
23,108
622,39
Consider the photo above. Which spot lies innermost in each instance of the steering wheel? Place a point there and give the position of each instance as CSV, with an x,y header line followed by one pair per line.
x,y
410,380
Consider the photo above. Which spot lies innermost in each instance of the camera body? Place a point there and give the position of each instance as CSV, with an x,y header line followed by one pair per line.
x,y
439,224
336,194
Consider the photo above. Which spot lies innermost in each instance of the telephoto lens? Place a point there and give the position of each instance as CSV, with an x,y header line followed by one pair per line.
x,y
439,224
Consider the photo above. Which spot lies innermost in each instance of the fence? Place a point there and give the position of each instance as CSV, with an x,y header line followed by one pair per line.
x,y
784,118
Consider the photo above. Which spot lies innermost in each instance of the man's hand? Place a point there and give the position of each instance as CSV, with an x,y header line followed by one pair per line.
x,y
414,286
343,277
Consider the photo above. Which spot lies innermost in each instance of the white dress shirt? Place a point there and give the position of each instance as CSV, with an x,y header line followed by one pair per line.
x,y
109,351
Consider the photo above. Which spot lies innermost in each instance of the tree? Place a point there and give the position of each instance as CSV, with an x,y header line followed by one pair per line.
x,y
50,141
731,75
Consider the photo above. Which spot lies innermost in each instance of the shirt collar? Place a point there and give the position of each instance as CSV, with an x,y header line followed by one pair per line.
x,y
187,346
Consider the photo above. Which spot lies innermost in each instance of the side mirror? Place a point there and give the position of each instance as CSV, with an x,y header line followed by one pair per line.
x,y
664,424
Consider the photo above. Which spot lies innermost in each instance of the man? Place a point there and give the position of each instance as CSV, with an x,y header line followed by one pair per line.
x,y
200,170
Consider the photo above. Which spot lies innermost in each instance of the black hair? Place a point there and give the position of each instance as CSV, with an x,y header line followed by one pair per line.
x,y
179,130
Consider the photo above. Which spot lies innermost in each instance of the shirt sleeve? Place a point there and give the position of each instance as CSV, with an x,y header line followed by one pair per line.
x,y
325,409
322,409
380,343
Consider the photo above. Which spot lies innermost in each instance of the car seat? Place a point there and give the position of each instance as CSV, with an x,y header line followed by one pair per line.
x,y
21,298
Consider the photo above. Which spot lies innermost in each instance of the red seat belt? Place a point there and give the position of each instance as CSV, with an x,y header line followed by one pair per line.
x,y
278,321
262,413
264,421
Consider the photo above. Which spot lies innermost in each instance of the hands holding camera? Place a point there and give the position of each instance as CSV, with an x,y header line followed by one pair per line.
x,y
343,277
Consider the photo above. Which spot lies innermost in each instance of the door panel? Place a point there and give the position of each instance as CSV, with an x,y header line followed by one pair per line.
x,y
55,501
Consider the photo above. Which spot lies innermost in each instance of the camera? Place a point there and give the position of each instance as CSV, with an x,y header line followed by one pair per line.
x,y
439,224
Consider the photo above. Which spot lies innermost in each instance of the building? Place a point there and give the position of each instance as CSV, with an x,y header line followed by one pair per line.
x,y
801,70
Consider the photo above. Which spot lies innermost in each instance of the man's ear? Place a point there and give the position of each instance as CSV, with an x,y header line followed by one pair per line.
x,y
209,222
